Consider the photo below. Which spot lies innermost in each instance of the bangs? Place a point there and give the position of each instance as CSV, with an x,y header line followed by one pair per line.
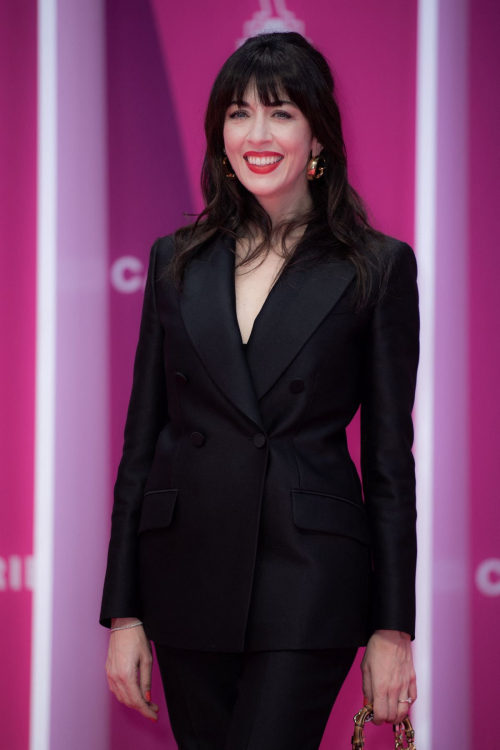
x,y
272,78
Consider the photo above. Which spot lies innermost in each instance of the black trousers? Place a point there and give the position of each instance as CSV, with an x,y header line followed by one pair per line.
x,y
254,700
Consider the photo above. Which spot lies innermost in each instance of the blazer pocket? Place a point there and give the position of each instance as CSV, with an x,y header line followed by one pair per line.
x,y
157,509
321,512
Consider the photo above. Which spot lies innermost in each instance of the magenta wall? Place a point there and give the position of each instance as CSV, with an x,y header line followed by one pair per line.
x,y
18,183
81,415
484,362
148,189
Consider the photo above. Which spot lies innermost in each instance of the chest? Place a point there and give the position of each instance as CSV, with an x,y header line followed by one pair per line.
x,y
253,282
207,323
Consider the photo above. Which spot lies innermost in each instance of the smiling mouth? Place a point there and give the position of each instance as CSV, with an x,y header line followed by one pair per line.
x,y
263,164
263,161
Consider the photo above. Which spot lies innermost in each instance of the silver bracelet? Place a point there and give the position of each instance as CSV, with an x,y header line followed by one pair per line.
x,y
132,625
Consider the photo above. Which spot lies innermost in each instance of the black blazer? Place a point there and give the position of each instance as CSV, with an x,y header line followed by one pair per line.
x,y
238,518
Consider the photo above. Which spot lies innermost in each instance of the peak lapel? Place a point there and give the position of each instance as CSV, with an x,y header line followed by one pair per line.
x,y
295,307
208,306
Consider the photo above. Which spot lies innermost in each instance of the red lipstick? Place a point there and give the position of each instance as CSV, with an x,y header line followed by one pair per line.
x,y
267,167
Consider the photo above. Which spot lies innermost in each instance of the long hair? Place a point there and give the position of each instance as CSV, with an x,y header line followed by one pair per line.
x,y
282,64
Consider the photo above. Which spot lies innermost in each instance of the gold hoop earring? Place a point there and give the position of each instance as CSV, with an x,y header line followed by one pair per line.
x,y
313,173
224,163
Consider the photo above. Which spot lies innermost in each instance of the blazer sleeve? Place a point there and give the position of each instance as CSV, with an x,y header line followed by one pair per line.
x,y
147,414
387,462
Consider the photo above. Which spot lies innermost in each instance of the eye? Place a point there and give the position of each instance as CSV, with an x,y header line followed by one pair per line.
x,y
283,115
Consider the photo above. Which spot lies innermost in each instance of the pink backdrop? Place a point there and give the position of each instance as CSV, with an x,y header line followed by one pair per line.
x,y
18,183
483,343
130,148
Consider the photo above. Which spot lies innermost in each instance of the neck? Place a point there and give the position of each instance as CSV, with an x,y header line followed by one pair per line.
x,y
286,205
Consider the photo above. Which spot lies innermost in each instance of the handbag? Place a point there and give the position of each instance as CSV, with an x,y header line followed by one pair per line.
x,y
366,714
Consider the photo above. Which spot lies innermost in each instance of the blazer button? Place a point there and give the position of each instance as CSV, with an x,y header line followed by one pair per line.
x,y
259,440
197,438
297,385
180,378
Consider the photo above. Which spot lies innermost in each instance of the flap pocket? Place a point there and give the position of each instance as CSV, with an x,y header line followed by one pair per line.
x,y
157,509
320,512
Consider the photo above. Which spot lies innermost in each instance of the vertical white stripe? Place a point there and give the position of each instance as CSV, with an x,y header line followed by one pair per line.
x,y
45,377
425,243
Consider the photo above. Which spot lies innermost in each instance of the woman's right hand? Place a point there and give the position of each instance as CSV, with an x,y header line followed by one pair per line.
x,y
128,651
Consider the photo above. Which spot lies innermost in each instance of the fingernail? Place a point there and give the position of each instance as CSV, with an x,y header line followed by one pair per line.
x,y
148,695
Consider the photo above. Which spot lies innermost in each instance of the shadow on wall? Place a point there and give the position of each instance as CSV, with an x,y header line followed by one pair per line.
x,y
148,190
148,187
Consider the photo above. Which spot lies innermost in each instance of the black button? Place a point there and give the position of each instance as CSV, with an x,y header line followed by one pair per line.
x,y
259,440
180,378
297,385
197,438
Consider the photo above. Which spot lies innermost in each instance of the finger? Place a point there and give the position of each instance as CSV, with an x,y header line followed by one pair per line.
x,y
123,680
147,698
402,711
366,685
116,682
137,700
403,707
124,690
154,706
410,692
380,705
393,706
145,669
412,688
116,690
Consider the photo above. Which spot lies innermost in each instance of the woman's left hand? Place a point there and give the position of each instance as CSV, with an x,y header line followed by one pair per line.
x,y
388,675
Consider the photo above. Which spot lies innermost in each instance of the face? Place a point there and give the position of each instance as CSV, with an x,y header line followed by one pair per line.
x,y
269,147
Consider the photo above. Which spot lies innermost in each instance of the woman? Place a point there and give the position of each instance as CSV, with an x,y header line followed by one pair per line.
x,y
240,543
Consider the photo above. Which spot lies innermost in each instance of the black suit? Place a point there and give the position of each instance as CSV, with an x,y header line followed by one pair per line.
x,y
238,518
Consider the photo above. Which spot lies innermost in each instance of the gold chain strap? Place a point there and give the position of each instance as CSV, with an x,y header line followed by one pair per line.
x,y
404,728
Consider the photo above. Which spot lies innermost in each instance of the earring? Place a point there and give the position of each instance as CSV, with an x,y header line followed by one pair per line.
x,y
228,174
224,164
312,168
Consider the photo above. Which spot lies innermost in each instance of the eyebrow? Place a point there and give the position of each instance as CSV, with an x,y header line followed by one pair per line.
x,y
275,104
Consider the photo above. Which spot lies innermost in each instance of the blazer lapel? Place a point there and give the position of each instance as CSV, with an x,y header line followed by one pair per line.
x,y
208,306
294,308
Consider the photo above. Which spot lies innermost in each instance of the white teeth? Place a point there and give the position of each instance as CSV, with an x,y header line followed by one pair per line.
x,y
262,161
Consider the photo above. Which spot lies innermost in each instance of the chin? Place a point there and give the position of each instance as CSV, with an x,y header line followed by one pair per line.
x,y
261,190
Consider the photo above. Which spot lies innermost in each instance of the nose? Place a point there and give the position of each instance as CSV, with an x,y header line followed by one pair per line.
x,y
259,131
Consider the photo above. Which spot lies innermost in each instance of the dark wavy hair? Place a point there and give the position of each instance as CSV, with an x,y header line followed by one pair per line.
x,y
282,65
